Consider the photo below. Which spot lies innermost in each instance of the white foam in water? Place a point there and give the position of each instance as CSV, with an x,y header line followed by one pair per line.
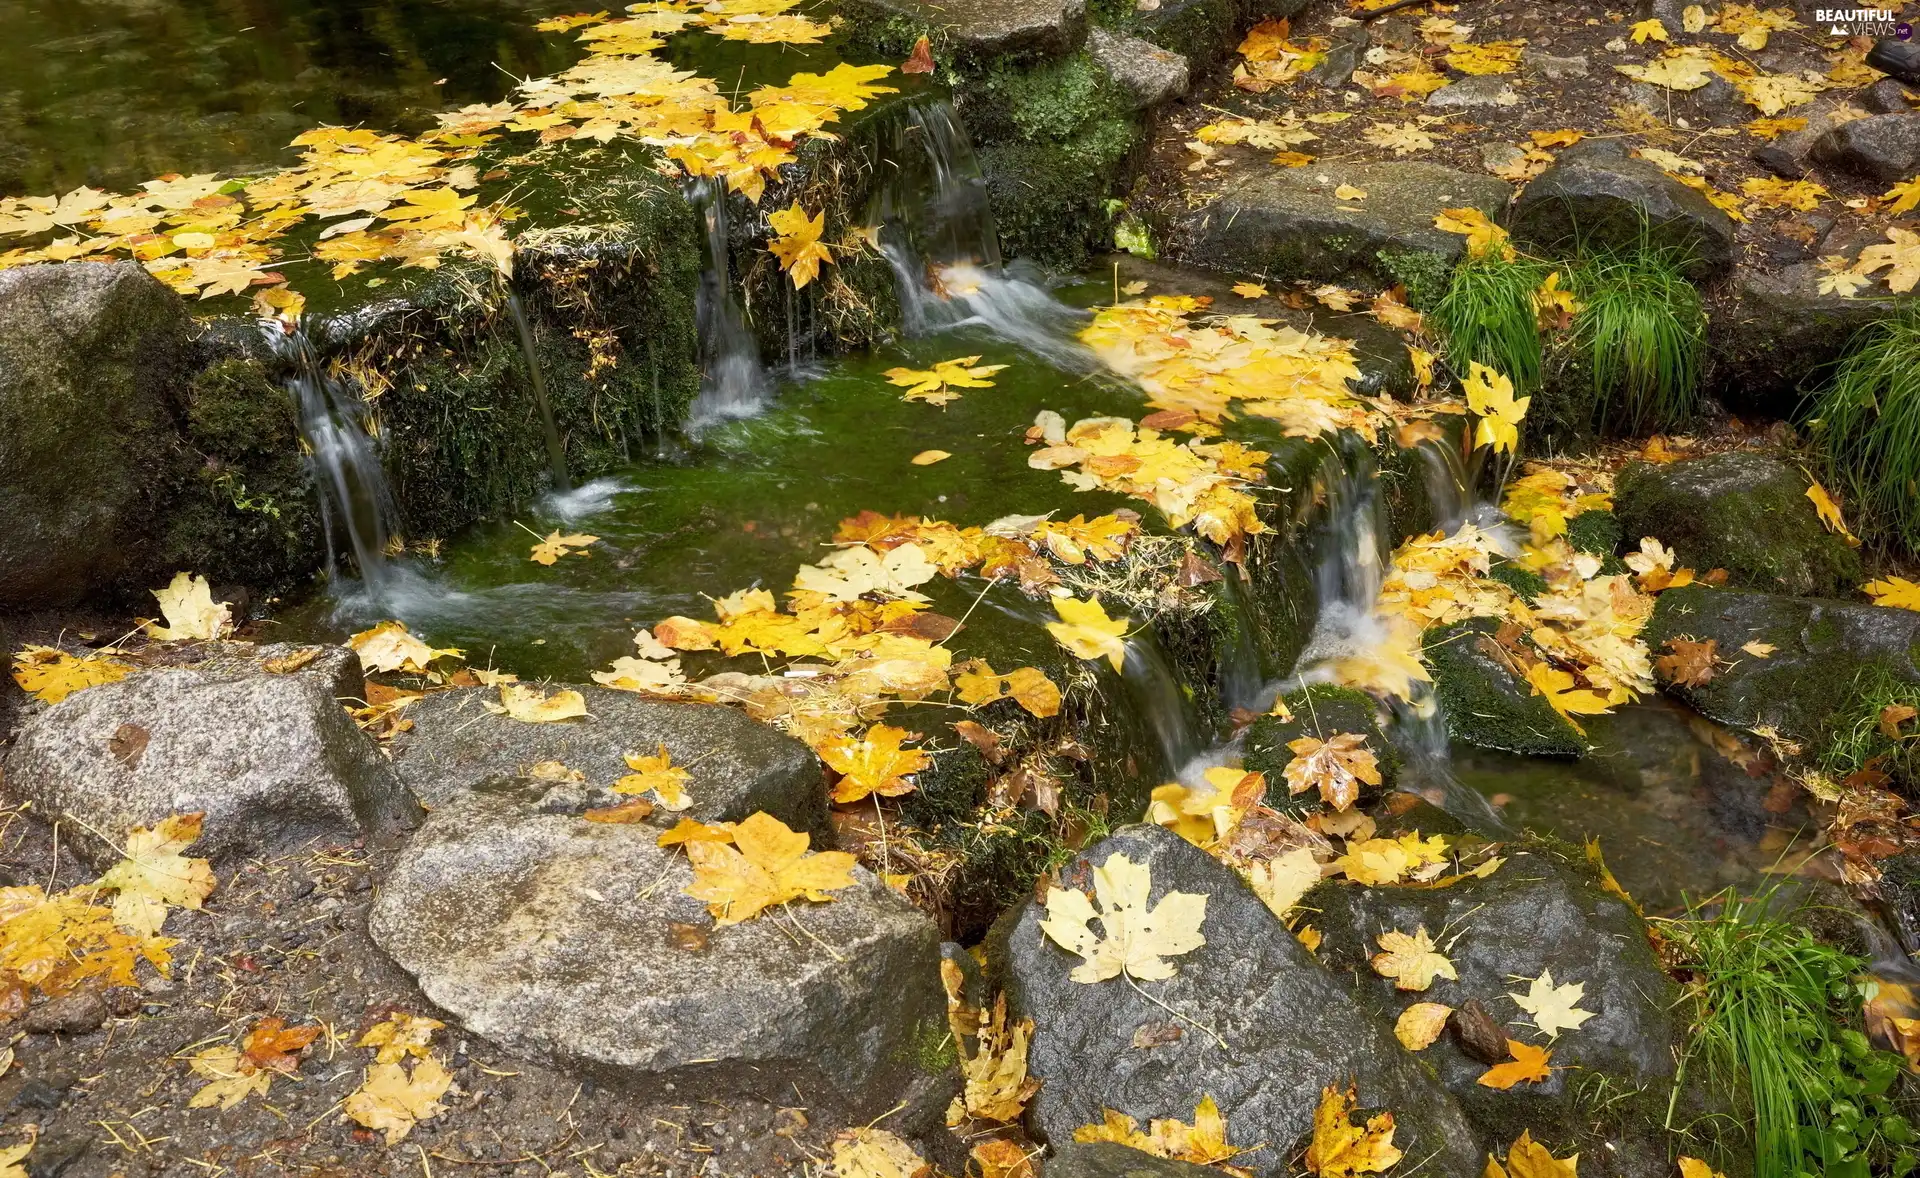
x,y
592,499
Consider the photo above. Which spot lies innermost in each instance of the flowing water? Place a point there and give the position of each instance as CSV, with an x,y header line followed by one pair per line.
x,y
355,506
734,382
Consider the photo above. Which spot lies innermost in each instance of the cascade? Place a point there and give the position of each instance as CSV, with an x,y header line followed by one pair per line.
x,y
733,382
354,499
556,449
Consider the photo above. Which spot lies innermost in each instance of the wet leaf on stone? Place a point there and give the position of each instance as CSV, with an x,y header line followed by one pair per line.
x,y
1554,1008
769,865
1420,1024
658,775
876,1153
1689,663
391,1101
191,613
399,1035
1135,939
388,647
875,762
1895,592
1341,1148
1527,1158
51,675
529,705
1411,960
1823,503
1529,1065
1085,629
1336,767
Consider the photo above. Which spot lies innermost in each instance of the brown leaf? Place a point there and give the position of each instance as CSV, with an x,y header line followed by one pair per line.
x,y
688,938
1691,663
924,624
129,743
272,1046
628,812
1894,715
1476,1034
1156,1034
921,60
982,738
1196,570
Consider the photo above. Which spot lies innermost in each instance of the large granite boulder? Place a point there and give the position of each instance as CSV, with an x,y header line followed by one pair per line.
x,y
1539,912
738,766
980,30
90,354
1273,1026
1286,223
1742,511
1599,196
575,941
1820,650
271,757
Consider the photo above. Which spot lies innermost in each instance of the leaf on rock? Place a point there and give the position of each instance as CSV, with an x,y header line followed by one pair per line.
x,y
1896,592
873,763
1202,1143
1563,696
1554,1008
1282,881
556,546
1527,1158
154,875
997,1086
1483,236
1336,767
1135,939
51,675
1823,503
688,830
529,705
1689,663
1085,629
1529,1064
392,1101
767,866
1205,816
660,776
978,683
853,572
999,1158
190,611
399,1035
1378,861
1420,1024
1341,1148
389,648
1412,961
1649,30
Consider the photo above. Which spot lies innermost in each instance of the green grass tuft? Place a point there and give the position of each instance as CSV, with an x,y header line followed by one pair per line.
x,y
1487,316
1777,1014
1867,424
1641,332
1857,738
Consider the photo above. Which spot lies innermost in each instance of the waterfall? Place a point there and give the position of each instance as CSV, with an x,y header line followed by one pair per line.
x,y
556,449
1353,554
354,500
733,383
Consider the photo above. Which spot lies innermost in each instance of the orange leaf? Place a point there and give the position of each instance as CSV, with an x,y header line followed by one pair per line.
x,y
1529,1063
272,1046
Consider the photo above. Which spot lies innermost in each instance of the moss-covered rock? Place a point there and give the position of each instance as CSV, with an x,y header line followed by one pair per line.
x,y
1204,31
1485,704
1742,511
1322,711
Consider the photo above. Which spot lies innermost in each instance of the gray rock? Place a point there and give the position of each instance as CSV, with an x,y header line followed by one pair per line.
x,y
1490,90
1537,912
1778,327
1394,33
1150,75
1820,647
1554,69
983,29
88,356
1343,57
1289,1026
1107,1159
1286,223
337,667
1205,32
738,766
1881,148
1601,199
574,941
1495,156
70,1014
273,760
1742,511
1485,704
1888,97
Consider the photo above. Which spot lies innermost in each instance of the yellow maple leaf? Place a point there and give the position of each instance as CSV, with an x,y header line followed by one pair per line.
x,y
1773,93
1527,1158
1689,1168
1491,57
1896,592
1529,1064
11,1159
873,763
1135,939
1379,861
1899,256
1483,236
556,546
1282,881
876,1153
1829,512
1204,816
529,705
230,1077
1563,697
1905,197
1773,128
935,385
996,1084
660,776
1490,397
1085,629
1681,70
689,830
1420,1024
399,1035
1554,1008
51,675
392,1101
856,571
1250,290
1770,193
1341,1148
190,611
797,245
1649,30
1336,767
1412,961
1400,138
155,875
767,865
1076,540
1202,1143
978,683
388,647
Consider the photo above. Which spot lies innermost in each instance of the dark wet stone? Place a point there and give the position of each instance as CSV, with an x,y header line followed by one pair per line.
x,y
1206,31
1106,1159
1336,68
1320,711
1290,1026
36,1093
1485,703
985,29
566,939
1602,199
738,766
1742,511
1489,90
70,1014
1778,328
1888,97
89,354
1881,148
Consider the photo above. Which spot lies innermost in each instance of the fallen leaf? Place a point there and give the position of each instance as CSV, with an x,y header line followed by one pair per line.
x,y
1554,1008
1250,290
1562,696
873,763
229,1079
1689,1168
529,705
929,457
1135,939
999,1158
1349,192
1085,629
154,875
660,776
1412,961
190,611
935,385
796,243
920,61
1690,663
1527,1158
392,1101
768,865
1899,256
1420,1024
272,1046
1490,397
854,572
51,675
1340,1148
1760,650
1337,767
399,1035
1894,592
1562,138
556,546
996,1084
389,648
876,1153
1529,1064
1894,715
1649,30
1282,881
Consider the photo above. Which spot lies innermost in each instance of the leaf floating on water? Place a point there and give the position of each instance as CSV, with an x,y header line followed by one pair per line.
x,y
769,865
1135,940
936,385
555,546
1340,1148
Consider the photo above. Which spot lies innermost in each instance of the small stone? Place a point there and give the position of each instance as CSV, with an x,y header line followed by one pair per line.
x,y
1489,90
1394,33
1499,157
70,1014
1151,75
1476,1032
1555,69
1889,97
37,1093
1336,68
1881,148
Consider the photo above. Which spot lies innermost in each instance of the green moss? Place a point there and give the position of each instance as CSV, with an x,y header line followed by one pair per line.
x,y
1594,532
934,1051
1048,198
1525,582
1056,100
1321,711
247,512
1485,705
1424,274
